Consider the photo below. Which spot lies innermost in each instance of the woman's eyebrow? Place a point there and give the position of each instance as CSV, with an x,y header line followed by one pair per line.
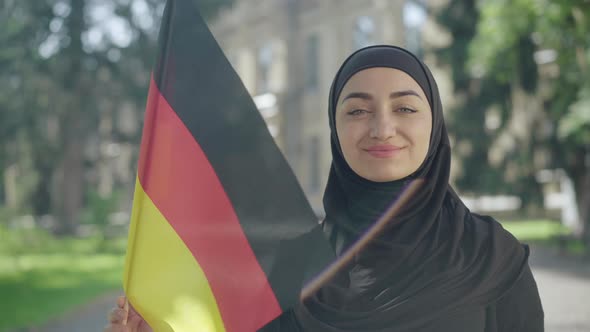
x,y
361,95
393,95
403,93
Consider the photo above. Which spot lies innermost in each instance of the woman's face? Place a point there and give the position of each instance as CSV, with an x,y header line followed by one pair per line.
x,y
383,122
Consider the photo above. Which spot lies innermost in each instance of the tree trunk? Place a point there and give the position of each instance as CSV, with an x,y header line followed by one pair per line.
x,y
581,179
71,182
580,173
584,206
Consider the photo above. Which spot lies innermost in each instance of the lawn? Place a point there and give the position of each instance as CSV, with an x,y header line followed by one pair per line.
x,y
535,230
544,232
42,277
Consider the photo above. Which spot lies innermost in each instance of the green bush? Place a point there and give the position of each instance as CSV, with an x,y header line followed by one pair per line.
x,y
41,280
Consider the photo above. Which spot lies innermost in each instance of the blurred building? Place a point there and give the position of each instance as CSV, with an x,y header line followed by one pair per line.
x,y
287,52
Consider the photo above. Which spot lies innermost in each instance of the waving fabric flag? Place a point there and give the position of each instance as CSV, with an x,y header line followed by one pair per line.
x,y
221,236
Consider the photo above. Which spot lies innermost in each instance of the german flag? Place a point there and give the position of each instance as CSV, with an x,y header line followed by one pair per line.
x,y
221,238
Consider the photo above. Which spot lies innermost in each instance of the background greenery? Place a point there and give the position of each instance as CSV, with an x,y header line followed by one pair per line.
x,y
42,276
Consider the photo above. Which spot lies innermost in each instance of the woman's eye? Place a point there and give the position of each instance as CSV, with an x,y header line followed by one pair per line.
x,y
406,110
356,112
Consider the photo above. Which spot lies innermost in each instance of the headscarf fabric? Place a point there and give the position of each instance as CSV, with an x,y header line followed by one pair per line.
x,y
434,257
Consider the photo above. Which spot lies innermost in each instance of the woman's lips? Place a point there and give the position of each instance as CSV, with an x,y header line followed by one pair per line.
x,y
383,151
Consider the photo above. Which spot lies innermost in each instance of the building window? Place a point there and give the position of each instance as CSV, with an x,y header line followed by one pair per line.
x,y
364,32
312,63
264,63
315,164
414,18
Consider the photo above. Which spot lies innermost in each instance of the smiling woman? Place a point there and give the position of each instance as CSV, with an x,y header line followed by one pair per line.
x,y
383,121
434,266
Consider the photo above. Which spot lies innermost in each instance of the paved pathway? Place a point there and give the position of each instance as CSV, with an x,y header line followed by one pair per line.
x,y
89,318
564,285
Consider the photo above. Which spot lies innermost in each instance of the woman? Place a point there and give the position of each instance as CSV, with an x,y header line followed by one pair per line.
x,y
436,266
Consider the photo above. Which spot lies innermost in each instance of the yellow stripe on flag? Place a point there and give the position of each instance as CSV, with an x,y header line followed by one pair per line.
x,y
162,280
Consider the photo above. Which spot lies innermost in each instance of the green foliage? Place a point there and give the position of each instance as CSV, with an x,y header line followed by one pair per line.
x,y
460,18
520,42
99,208
19,241
6,214
476,95
57,89
575,125
535,230
51,276
559,26
548,233
495,43
499,34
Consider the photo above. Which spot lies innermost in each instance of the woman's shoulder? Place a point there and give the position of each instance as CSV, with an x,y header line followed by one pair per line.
x,y
520,308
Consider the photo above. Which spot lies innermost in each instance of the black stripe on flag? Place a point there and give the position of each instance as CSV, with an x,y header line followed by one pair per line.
x,y
200,84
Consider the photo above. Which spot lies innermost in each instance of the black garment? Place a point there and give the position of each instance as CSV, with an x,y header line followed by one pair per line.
x,y
519,310
436,266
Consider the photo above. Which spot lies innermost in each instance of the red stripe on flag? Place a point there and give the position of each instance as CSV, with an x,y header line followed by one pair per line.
x,y
177,176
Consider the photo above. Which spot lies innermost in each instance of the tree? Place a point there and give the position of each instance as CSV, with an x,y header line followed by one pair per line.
x,y
21,22
484,104
557,35
67,67
466,119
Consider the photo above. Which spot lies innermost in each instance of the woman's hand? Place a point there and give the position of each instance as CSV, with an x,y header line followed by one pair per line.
x,y
123,318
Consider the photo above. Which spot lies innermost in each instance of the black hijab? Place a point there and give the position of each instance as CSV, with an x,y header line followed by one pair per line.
x,y
433,258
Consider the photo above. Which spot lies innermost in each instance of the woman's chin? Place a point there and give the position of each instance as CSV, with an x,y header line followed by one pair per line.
x,y
382,177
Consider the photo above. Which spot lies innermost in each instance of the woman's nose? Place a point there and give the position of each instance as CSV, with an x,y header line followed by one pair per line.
x,y
383,125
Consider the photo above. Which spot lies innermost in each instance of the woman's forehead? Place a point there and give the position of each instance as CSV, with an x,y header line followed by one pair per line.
x,y
381,78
